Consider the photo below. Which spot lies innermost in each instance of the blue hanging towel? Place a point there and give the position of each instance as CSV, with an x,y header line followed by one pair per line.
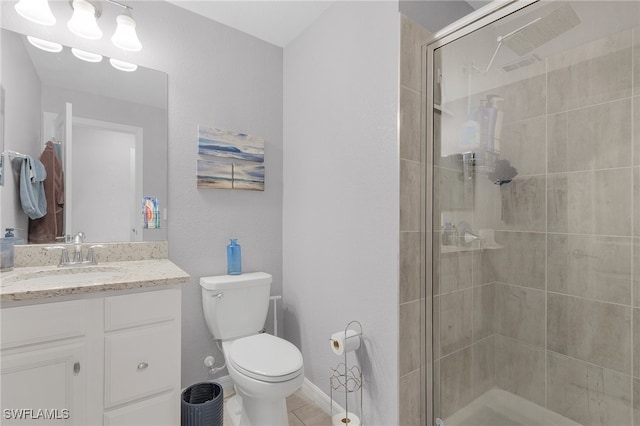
x,y
32,176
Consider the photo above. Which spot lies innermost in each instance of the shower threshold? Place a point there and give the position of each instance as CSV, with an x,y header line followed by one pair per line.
x,y
498,407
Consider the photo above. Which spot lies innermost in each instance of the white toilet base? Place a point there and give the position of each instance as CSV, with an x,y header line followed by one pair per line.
x,y
243,410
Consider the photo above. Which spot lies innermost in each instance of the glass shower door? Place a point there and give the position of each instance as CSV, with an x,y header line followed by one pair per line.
x,y
536,218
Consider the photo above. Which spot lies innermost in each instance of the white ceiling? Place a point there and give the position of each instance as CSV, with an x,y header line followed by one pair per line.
x,y
280,21
277,22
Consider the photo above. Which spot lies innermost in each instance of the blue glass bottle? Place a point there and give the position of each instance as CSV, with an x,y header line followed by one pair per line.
x,y
234,258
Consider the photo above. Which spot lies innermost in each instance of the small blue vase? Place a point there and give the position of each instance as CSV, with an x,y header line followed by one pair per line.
x,y
234,258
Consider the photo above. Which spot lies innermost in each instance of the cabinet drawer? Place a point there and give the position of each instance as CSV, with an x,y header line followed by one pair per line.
x,y
133,310
141,362
163,410
24,325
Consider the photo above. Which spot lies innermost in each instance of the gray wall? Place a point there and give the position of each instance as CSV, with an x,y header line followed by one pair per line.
x,y
434,15
341,218
21,85
218,77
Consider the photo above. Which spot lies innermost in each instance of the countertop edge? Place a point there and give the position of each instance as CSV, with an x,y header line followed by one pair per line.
x,y
172,275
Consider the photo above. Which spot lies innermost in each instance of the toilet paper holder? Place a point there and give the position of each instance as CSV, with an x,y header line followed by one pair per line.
x,y
347,379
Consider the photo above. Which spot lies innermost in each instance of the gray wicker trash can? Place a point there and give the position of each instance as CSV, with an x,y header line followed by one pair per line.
x,y
202,405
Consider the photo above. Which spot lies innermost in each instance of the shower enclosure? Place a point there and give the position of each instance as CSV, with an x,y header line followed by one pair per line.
x,y
533,119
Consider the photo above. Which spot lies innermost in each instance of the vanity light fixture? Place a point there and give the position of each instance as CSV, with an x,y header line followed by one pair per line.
x,y
37,11
125,36
45,45
86,56
122,65
83,21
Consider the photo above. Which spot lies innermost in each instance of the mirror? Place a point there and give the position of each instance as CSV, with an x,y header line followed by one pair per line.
x,y
109,131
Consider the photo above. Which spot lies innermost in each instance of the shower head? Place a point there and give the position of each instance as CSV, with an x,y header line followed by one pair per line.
x,y
535,33
520,63
541,30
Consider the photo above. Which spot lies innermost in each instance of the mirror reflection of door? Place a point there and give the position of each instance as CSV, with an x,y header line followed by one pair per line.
x,y
106,171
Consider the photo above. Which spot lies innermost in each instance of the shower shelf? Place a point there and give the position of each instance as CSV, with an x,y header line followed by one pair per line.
x,y
461,249
481,160
457,249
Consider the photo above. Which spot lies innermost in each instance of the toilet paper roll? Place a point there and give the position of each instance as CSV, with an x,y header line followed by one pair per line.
x,y
341,419
341,342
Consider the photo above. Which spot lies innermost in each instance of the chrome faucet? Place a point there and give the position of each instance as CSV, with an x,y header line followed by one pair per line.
x,y
465,236
77,255
469,237
77,243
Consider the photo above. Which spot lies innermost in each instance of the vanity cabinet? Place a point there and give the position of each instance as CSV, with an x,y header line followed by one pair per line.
x,y
142,359
112,360
43,364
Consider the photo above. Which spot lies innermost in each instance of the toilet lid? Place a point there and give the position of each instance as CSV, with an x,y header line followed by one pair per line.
x,y
266,357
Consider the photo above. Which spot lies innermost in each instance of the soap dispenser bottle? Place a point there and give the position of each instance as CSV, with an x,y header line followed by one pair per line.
x,y
234,258
6,250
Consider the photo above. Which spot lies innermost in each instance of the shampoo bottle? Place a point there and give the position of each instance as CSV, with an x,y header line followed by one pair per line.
x,y
234,258
495,122
470,135
481,116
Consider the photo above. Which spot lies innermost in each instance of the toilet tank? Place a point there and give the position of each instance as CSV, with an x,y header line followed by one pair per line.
x,y
235,306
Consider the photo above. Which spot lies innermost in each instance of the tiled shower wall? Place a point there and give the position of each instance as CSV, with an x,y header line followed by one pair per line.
x,y
411,350
554,316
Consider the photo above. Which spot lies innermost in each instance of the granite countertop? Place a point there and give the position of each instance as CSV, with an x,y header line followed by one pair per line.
x,y
42,282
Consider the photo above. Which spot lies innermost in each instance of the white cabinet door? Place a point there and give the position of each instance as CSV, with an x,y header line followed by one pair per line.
x,y
44,386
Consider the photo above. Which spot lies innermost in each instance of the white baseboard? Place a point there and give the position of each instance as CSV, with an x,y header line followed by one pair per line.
x,y
319,398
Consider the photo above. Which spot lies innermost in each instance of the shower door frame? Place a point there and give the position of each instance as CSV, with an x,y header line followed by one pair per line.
x,y
474,21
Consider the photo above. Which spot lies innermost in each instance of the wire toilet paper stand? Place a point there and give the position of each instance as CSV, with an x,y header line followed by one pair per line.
x,y
347,380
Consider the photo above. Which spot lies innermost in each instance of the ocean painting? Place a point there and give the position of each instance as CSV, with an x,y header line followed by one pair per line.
x,y
219,175
215,175
248,176
226,144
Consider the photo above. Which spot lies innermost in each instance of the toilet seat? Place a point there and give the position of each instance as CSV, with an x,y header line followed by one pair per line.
x,y
266,358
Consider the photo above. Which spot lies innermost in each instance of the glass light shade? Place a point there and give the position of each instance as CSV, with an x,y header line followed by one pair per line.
x,y
37,11
83,21
125,36
45,45
86,56
122,65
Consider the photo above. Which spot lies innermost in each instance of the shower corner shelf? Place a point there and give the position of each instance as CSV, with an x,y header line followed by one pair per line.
x,y
347,380
464,249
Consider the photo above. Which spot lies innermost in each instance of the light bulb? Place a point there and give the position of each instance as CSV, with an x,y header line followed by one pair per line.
x,y
37,11
83,21
86,56
45,45
125,36
122,65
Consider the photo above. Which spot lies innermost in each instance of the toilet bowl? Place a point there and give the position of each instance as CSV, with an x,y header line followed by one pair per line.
x,y
265,369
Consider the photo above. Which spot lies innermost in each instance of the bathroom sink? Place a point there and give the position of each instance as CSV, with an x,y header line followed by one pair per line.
x,y
66,275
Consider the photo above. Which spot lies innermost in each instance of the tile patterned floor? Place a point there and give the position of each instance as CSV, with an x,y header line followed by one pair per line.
x,y
302,412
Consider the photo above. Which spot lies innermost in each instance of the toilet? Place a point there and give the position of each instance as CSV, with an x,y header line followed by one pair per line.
x,y
265,369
